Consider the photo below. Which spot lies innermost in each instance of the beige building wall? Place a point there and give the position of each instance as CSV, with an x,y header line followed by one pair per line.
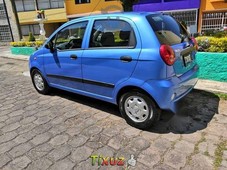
x,y
10,23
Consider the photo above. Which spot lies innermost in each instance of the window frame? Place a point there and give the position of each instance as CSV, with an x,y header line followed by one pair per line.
x,y
24,7
31,29
50,6
4,30
2,11
132,33
79,3
55,37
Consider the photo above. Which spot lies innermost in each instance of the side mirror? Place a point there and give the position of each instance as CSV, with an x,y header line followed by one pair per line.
x,y
50,46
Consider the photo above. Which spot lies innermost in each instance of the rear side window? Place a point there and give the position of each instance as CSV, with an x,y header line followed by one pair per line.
x,y
167,29
112,33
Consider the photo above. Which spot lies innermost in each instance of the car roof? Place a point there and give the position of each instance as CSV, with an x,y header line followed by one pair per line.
x,y
117,14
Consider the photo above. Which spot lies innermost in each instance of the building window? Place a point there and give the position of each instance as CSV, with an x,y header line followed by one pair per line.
x,y
82,1
189,17
5,35
34,29
25,5
50,4
214,20
2,12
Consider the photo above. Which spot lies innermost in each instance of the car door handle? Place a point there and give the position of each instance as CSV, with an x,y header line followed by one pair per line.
x,y
126,59
73,57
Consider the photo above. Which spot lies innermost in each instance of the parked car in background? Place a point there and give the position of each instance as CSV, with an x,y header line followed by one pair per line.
x,y
143,62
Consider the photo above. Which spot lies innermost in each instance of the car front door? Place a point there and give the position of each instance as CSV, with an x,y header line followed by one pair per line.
x,y
63,64
111,56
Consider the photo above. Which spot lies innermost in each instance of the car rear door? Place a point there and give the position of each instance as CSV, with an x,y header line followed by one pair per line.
x,y
111,56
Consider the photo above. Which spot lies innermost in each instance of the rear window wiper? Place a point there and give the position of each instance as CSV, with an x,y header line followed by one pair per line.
x,y
182,37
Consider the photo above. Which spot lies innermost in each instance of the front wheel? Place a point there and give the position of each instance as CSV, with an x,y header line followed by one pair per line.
x,y
39,82
138,109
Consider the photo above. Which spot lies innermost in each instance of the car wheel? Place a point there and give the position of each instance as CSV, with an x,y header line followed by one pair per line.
x,y
39,82
138,109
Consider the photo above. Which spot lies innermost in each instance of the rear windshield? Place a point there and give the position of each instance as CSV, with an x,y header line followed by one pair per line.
x,y
167,29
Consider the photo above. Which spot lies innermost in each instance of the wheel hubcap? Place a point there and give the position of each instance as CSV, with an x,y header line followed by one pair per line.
x,y
137,109
39,83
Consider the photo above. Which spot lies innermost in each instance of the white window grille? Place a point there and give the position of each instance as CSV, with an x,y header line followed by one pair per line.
x,y
2,12
189,17
214,20
5,35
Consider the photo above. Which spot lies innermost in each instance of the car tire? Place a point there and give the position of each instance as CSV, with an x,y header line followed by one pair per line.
x,y
138,109
39,82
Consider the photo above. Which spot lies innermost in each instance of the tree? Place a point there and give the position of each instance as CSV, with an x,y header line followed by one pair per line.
x,y
127,4
31,37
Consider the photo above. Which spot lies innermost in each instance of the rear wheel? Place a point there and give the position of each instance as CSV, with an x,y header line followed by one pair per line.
x,y
138,109
39,82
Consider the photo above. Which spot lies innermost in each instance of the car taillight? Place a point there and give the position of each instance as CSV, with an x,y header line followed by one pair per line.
x,y
167,54
195,43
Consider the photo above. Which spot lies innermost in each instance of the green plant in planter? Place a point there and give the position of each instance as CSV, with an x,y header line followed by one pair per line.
x,y
31,37
27,44
212,44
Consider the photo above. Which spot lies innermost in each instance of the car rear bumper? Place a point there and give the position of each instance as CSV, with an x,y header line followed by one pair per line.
x,y
166,93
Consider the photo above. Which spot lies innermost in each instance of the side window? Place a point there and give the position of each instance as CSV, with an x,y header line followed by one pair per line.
x,y
112,33
70,37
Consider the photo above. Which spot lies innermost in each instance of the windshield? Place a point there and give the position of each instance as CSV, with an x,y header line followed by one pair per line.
x,y
167,29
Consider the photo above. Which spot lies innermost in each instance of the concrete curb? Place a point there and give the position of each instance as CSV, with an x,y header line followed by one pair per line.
x,y
6,53
210,85
17,57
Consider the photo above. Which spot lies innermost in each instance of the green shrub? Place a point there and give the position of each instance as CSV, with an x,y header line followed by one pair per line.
x,y
27,44
212,44
31,37
18,44
215,33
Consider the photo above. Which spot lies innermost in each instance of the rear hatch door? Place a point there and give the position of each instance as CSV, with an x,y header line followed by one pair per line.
x,y
171,32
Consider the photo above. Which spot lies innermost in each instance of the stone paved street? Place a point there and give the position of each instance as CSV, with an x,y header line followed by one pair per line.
x,y
62,130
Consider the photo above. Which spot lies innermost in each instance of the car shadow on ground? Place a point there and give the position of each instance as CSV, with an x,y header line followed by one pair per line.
x,y
91,102
195,111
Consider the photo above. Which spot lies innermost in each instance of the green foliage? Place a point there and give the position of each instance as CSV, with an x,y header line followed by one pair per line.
x,y
127,4
31,37
221,95
27,44
212,44
215,33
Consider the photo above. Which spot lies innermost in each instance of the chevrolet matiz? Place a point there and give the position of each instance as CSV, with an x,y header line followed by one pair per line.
x,y
142,62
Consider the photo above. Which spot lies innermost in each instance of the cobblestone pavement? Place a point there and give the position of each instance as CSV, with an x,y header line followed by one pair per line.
x,y
62,130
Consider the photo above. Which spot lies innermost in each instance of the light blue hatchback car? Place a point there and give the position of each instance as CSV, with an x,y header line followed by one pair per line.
x,y
143,62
